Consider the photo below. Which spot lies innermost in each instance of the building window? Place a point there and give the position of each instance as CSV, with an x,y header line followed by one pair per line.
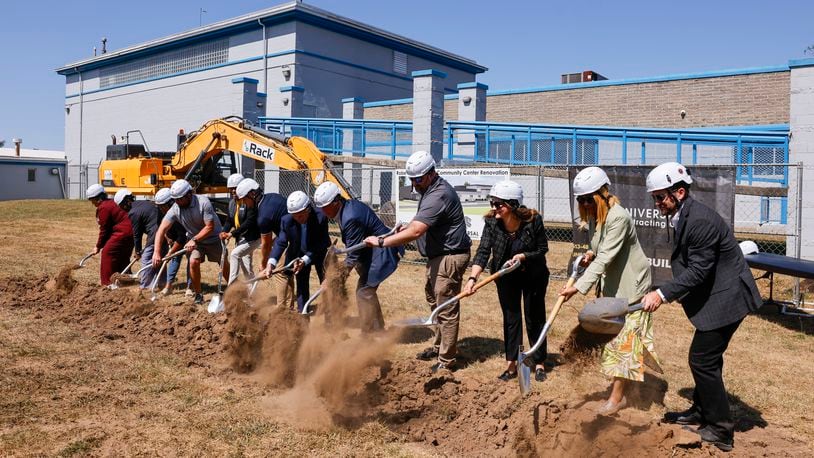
x,y
400,62
32,174
167,63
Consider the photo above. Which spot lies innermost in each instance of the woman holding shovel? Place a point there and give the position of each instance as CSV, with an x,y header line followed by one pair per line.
x,y
617,258
514,233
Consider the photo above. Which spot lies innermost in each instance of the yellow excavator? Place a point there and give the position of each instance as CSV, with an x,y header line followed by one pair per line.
x,y
206,157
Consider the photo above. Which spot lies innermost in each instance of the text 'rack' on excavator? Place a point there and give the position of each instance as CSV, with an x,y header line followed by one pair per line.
x,y
206,158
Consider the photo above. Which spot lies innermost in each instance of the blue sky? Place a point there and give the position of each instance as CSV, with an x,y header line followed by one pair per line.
x,y
524,43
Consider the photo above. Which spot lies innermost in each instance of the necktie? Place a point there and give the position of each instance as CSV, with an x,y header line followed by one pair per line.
x,y
304,238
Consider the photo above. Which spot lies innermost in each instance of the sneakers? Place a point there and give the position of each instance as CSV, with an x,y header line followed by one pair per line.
x,y
198,299
539,375
428,354
189,293
610,407
440,368
166,291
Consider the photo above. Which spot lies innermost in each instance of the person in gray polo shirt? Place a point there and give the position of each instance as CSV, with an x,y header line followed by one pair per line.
x,y
440,228
197,215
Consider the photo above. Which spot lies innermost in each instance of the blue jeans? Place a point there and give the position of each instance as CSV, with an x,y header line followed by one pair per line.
x,y
172,269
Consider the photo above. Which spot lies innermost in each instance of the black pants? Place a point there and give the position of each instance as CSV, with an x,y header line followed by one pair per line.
x,y
303,279
530,287
707,363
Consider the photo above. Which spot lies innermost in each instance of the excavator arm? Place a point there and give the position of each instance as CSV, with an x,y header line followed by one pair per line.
x,y
203,147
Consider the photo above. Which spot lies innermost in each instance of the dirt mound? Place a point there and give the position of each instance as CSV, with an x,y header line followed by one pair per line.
x,y
582,346
112,314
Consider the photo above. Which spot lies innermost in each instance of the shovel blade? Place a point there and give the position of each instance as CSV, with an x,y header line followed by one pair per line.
x,y
215,304
413,322
524,378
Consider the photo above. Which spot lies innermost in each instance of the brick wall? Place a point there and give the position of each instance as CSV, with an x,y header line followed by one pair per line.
x,y
754,99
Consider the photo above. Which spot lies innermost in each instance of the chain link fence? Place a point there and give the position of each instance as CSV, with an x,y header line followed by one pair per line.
x,y
767,213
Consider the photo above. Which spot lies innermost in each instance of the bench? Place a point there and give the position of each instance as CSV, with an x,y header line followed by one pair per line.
x,y
785,265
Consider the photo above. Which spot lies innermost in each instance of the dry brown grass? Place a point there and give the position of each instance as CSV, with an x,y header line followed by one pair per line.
x,y
64,392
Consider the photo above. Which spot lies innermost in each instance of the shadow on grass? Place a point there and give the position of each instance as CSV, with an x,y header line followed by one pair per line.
x,y
640,395
771,312
746,417
476,348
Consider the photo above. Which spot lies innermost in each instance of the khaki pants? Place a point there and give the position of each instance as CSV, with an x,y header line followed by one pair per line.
x,y
284,290
370,310
444,281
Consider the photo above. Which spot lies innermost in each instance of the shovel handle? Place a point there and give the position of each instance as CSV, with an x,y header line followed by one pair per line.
x,y
310,300
575,272
362,245
82,262
510,268
274,272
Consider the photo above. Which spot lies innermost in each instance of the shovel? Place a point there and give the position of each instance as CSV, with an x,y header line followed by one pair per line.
x,y
433,318
164,262
307,305
606,315
126,269
216,304
82,262
525,362
361,245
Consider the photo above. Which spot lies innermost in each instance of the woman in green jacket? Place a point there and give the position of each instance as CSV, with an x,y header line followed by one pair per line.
x,y
617,258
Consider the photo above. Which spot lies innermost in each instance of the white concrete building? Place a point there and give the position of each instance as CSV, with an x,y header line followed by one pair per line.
x,y
289,60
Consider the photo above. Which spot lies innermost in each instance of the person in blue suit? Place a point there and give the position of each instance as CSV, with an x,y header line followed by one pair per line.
x,y
303,236
357,221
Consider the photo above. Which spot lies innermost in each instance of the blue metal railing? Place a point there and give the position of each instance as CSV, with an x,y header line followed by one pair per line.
x,y
757,150
537,144
392,139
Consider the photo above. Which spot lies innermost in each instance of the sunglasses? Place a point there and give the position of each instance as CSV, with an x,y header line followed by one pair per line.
x,y
497,204
417,180
660,197
585,200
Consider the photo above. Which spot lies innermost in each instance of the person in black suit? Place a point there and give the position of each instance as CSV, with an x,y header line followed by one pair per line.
x,y
304,237
715,287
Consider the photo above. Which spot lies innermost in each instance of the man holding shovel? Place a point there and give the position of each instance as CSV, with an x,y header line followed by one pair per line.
x,y
270,208
715,287
441,225
144,217
357,221
304,237
198,217
115,234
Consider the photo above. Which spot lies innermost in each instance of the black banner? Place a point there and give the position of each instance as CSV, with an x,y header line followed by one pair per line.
x,y
712,185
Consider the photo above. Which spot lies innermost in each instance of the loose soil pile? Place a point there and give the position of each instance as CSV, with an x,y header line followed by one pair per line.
x,y
329,376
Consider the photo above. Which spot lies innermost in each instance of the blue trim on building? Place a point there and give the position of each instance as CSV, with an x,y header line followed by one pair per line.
x,y
262,95
429,72
655,79
292,89
800,63
473,85
286,16
244,79
351,64
385,103
353,99
242,61
34,162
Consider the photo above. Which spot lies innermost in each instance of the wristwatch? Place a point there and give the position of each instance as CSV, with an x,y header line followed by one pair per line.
x,y
381,241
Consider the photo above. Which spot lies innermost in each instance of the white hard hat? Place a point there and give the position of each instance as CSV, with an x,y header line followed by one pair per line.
x,y
120,195
326,193
297,201
667,175
419,163
163,196
233,180
507,190
245,187
180,188
748,247
589,180
94,190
